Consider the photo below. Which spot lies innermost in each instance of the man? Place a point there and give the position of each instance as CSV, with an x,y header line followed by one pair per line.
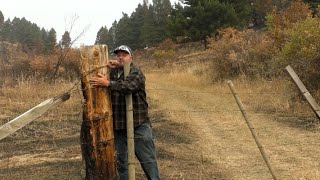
x,y
119,86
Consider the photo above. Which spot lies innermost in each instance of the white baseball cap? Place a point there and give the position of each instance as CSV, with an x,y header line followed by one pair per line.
x,y
124,48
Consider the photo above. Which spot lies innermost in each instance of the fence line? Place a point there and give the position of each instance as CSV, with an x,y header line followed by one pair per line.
x,y
203,92
208,111
74,89
77,89
199,156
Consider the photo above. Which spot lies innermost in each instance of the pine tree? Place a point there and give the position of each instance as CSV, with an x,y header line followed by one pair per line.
x,y
111,40
66,40
136,22
204,17
44,35
148,29
1,19
21,33
260,10
122,30
35,44
313,3
243,9
102,36
6,31
162,10
24,32
147,26
177,24
51,41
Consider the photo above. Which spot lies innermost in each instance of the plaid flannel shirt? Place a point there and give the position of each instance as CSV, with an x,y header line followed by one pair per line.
x,y
120,87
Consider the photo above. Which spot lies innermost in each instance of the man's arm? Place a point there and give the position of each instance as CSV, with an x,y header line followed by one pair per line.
x,y
133,82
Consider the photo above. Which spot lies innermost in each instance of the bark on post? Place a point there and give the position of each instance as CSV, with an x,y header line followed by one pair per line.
x,y
97,137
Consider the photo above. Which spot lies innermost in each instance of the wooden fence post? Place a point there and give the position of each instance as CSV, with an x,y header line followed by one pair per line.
x,y
251,128
130,129
97,136
304,91
32,114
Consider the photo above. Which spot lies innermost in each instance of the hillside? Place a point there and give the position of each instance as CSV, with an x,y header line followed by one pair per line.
x,y
199,130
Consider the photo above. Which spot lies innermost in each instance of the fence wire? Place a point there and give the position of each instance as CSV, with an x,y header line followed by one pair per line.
x,y
61,144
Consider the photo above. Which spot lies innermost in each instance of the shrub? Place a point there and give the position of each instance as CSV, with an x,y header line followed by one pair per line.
x,y
41,64
247,53
165,52
71,65
302,50
279,20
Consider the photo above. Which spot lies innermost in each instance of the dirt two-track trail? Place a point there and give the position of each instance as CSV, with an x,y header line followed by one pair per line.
x,y
199,131
201,134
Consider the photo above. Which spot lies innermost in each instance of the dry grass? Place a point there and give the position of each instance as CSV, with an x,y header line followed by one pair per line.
x,y
200,133
48,147
218,138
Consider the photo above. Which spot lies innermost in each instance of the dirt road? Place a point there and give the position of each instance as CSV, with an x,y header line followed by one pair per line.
x,y
199,130
210,139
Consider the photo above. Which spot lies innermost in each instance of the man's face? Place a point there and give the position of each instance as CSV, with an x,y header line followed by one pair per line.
x,y
123,57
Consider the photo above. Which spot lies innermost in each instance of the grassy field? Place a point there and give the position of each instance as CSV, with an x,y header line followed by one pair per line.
x,y
200,133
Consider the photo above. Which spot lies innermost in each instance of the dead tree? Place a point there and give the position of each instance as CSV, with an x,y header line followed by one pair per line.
x,y
97,137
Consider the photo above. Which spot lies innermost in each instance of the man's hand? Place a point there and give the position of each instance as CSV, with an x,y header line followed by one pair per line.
x,y
113,63
99,80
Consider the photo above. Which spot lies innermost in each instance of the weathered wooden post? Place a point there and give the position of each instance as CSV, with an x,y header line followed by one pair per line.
x,y
252,130
312,102
97,137
130,129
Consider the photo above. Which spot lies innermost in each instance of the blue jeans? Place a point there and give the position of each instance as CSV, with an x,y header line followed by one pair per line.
x,y
144,150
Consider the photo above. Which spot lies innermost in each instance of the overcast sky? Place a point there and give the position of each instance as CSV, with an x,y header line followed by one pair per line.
x,y
58,14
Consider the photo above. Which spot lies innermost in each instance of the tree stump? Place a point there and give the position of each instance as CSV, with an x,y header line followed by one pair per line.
x,y
97,137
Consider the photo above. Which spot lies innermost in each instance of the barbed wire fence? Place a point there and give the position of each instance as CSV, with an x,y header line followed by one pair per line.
x,y
190,161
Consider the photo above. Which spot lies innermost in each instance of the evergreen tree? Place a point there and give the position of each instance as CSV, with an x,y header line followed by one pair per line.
x,y
122,30
148,29
178,24
1,19
102,36
44,35
243,9
6,31
129,28
24,32
260,10
35,42
146,26
136,22
111,40
66,40
21,33
205,17
51,41
313,3
17,33
162,10
28,35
